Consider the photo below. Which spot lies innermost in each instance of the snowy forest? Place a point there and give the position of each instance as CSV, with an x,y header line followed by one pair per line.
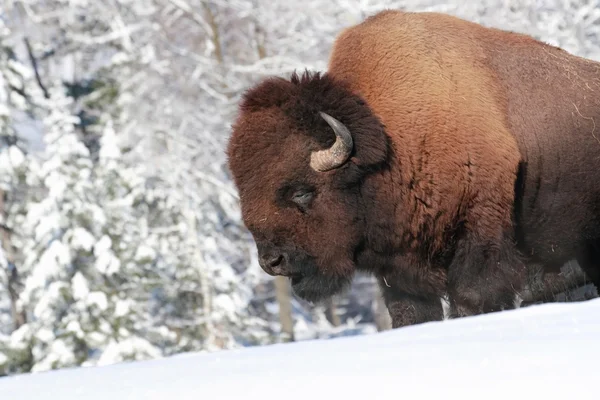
x,y
121,237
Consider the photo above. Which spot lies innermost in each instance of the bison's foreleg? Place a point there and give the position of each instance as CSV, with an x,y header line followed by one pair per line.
x,y
589,261
484,276
487,271
407,309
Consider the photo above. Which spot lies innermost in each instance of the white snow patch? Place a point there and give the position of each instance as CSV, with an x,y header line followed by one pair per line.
x,y
25,72
82,239
106,262
96,339
16,156
225,305
120,57
47,222
144,253
109,149
59,353
44,335
20,337
543,351
3,260
103,244
11,159
57,186
98,299
97,214
122,307
75,327
80,286
50,266
119,351
49,297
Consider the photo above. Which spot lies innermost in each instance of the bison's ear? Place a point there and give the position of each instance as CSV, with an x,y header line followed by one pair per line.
x,y
269,93
372,144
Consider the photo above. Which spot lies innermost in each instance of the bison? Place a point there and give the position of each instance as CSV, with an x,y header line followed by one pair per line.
x,y
439,155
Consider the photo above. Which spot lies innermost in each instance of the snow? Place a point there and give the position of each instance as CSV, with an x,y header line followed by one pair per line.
x,y
144,253
82,239
225,304
59,352
545,351
45,222
49,266
45,335
20,69
116,351
122,307
109,149
20,337
80,286
106,262
75,327
11,159
44,307
98,299
103,245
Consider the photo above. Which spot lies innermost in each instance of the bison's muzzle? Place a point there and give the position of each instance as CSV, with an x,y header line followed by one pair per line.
x,y
306,280
274,264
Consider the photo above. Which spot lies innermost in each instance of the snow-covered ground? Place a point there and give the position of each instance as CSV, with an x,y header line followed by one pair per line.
x,y
549,351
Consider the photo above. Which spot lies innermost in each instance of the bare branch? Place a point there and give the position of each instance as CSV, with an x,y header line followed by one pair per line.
x,y
185,7
34,65
120,34
216,38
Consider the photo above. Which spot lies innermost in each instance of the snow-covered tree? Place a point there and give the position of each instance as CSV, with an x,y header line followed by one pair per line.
x,y
18,95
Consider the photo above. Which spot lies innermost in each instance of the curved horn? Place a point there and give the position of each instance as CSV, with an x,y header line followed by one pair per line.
x,y
338,153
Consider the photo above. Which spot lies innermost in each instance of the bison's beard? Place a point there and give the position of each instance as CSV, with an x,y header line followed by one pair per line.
x,y
314,286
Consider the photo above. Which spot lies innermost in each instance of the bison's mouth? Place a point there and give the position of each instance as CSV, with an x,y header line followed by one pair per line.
x,y
307,279
317,287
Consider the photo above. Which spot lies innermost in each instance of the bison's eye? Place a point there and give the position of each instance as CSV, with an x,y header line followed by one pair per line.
x,y
302,198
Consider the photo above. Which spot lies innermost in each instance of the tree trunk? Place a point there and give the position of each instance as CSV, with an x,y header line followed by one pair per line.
x,y
12,273
284,299
383,320
210,340
330,312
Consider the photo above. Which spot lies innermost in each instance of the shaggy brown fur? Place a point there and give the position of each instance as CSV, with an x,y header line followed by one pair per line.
x,y
475,152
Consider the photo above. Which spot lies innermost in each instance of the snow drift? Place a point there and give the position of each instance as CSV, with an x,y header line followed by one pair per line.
x,y
547,351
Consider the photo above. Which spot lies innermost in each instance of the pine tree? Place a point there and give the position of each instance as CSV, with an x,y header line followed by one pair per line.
x,y
18,94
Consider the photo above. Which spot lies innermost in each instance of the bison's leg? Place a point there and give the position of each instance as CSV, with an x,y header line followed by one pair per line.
x,y
407,309
589,261
484,276
543,286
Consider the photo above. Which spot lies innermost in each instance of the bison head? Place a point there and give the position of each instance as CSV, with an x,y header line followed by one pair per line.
x,y
299,152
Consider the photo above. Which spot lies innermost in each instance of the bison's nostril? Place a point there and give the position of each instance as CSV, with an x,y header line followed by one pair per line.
x,y
275,261
272,264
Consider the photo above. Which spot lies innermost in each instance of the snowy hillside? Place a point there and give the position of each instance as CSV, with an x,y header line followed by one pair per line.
x,y
548,351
